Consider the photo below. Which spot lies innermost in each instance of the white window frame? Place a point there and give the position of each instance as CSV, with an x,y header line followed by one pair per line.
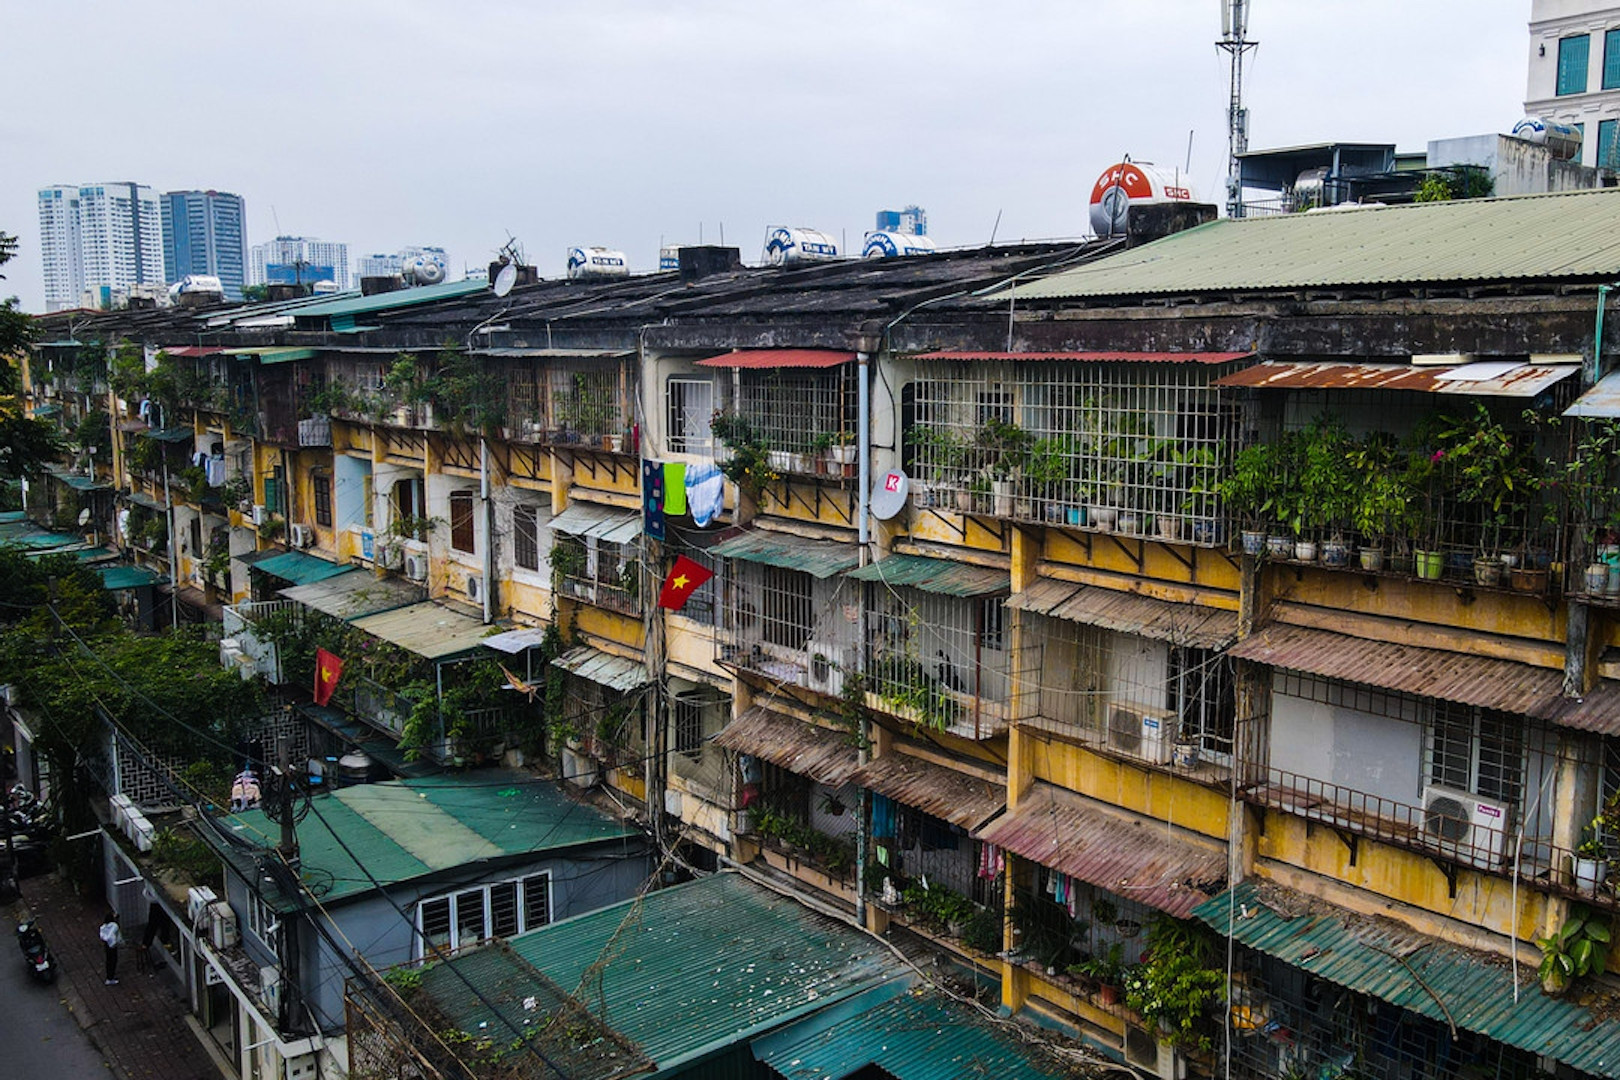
x,y
681,416
260,919
452,899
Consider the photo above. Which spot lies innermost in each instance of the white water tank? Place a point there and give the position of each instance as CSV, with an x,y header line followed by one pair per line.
x,y
1133,183
422,270
1564,140
886,244
197,283
596,264
785,246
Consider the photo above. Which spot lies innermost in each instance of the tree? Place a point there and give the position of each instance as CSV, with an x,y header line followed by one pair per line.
x,y
26,446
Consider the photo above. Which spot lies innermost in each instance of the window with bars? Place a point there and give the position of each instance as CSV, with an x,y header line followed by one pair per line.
x,y
585,401
526,537
263,923
499,909
523,403
694,716
786,601
321,483
1476,750
1572,56
1203,698
798,412
1608,144
689,408
1611,59
463,533
601,572
941,657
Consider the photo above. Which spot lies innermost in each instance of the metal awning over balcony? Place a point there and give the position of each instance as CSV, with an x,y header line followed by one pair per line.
x,y
819,558
193,350
1598,710
1466,678
75,481
1601,402
1447,983
1113,357
432,629
513,642
1482,378
605,523
936,790
170,434
802,748
295,567
943,576
354,594
779,358
1129,613
117,578
603,668
1149,863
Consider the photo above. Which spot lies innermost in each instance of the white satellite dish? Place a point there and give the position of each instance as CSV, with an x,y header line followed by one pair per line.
x,y
505,279
889,494
84,517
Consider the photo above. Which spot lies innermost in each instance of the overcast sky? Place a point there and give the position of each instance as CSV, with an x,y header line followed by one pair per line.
x,y
626,122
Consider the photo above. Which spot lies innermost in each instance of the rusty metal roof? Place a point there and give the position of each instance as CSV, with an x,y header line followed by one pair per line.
x,y
779,358
1447,983
806,749
943,792
944,576
603,668
1466,678
1094,357
1516,379
1601,402
1598,710
1149,862
1129,613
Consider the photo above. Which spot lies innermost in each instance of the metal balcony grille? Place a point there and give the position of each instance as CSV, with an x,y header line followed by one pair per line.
x,y
790,625
942,660
793,409
587,401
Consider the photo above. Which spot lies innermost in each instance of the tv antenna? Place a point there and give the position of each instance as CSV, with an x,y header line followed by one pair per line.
x,y
510,257
1234,43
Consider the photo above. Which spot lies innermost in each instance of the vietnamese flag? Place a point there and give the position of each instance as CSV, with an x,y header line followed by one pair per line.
x,y
684,576
327,670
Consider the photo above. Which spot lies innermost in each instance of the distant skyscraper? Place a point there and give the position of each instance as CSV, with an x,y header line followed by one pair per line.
x,y
385,265
98,237
204,232
292,260
912,221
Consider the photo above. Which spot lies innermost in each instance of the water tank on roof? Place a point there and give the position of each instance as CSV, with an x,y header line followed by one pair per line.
x,y
1133,183
785,246
596,264
887,244
1564,140
197,283
422,270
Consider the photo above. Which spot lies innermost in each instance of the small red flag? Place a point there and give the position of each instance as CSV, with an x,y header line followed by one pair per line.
x,y
684,576
327,669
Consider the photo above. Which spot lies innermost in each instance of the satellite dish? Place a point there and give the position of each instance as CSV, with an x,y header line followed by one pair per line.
x,y
889,494
84,517
505,279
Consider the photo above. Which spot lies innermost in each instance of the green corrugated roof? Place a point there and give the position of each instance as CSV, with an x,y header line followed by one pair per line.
x,y
701,965
298,567
432,629
274,354
75,481
936,575
1573,234
114,578
1360,953
40,540
355,304
912,1034
405,829
823,558
170,434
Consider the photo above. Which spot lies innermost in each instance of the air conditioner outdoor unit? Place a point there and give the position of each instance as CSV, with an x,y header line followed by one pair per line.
x,y
198,897
270,989
475,588
390,556
1141,732
302,1067
1468,828
416,566
826,671
259,514
301,536
120,806
1148,1054
222,932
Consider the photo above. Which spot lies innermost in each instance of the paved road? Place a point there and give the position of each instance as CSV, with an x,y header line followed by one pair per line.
x,y
39,1038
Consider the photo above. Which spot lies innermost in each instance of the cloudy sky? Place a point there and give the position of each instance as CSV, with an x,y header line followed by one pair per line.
x,y
630,122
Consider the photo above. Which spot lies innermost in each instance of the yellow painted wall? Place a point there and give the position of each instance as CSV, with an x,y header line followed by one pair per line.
x,y
613,474
531,600
808,500
692,644
1145,791
1114,553
940,526
607,625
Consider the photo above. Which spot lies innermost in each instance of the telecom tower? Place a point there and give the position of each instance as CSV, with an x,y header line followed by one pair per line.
x,y
1235,42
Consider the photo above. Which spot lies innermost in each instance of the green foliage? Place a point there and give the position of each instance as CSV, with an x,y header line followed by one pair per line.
x,y
1463,182
1107,967
748,463
26,445
937,905
94,431
1578,949
406,981
834,853
413,527
983,931
1176,985
586,407
186,855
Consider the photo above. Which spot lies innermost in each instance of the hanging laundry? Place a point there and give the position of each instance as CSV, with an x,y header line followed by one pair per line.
x,y
216,471
705,493
991,861
883,818
1073,897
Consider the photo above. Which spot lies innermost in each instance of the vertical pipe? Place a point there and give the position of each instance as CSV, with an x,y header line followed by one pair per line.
x,y
1597,334
863,439
489,527
174,552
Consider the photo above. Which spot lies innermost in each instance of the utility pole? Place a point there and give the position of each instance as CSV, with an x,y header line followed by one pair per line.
x,y
289,835
289,855
1235,42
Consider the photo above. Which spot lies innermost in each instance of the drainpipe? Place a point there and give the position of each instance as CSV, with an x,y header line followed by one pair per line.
x,y
1597,334
174,553
863,439
489,527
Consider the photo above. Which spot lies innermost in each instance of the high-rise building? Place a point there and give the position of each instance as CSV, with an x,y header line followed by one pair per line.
x,y
912,221
98,236
299,260
383,265
1575,73
204,232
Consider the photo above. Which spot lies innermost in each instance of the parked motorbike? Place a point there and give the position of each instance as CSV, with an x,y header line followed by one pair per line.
x,y
36,954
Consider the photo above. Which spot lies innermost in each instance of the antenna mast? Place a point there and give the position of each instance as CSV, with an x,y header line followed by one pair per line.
x,y
1235,42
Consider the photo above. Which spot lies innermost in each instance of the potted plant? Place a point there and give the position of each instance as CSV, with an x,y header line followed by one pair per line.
x,y
1047,475
1177,983
1246,492
1591,859
1493,471
749,464
1578,948
1105,970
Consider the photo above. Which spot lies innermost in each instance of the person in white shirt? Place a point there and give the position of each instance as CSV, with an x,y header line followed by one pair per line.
x,y
111,938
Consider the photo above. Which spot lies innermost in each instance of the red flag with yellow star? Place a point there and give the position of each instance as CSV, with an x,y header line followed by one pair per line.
x,y
684,576
327,669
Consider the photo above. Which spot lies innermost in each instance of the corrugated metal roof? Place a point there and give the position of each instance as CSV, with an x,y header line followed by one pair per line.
x,y
1601,402
1446,983
355,594
1094,357
703,965
515,641
603,522
821,558
519,353
942,792
170,434
826,757
1598,710
1520,379
114,578
192,350
401,830
779,358
274,355
605,669
298,567
355,304
910,1034
1149,862
1129,613
75,481
942,576
1567,235
1466,678
432,629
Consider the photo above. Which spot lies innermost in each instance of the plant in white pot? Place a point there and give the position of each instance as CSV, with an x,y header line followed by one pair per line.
x,y
1591,858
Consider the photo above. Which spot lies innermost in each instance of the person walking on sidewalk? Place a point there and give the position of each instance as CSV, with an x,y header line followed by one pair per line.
x,y
111,938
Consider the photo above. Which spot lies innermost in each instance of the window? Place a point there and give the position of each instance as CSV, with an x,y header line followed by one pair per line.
x,y
785,604
322,483
1611,60
1608,144
503,909
1572,52
1478,751
1203,697
263,922
500,909
536,901
274,485
526,537
471,919
992,624
406,497
694,714
691,407
462,533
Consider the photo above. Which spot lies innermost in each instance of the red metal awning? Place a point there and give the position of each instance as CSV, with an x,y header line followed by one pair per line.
x,y
934,789
1150,863
193,350
1489,379
1095,357
779,358
806,749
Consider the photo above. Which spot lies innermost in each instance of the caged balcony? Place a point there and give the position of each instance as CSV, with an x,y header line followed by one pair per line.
x,y
790,626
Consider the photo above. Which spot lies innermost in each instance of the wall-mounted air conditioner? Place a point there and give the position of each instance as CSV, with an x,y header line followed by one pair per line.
x,y
1148,1054
301,536
302,1067
416,566
475,588
222,932
198,897
260,514
270,989
1466,827
1141,732
826,668
390,556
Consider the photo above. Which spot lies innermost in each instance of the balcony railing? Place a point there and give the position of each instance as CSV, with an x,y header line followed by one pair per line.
x,y
602,594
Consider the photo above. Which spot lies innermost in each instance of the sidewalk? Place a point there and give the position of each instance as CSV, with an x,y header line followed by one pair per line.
x,y
140,1024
